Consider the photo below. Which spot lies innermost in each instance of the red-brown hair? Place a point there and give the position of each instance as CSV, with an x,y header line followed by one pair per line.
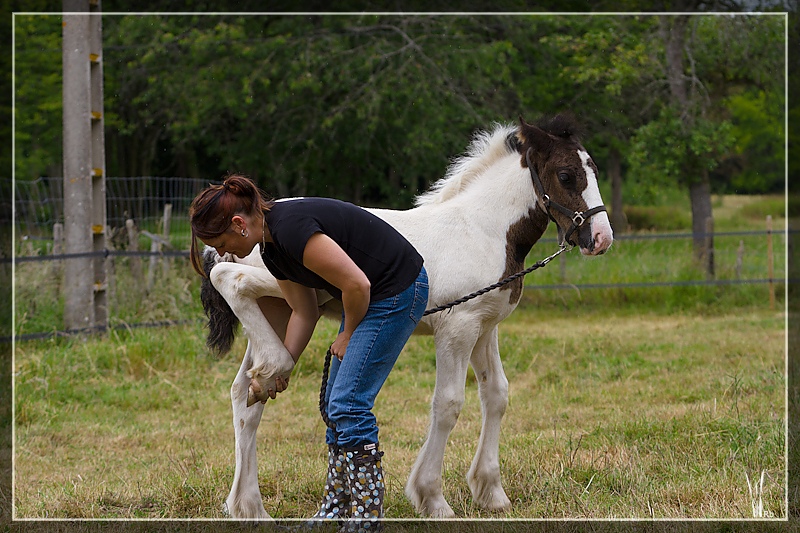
x,y
213,208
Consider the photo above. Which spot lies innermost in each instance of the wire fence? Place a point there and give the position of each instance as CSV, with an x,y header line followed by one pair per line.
x,y
39,208
39,203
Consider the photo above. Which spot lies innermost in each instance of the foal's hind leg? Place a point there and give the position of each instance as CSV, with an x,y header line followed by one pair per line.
x,y
454,343
244,500
484,474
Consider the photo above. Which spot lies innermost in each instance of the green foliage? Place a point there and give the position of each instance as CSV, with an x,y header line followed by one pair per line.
x,y
336,106
760,142
609,53
370,108
38,96
667,152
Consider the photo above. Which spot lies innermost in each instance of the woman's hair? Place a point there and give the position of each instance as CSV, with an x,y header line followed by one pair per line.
x,y
212,210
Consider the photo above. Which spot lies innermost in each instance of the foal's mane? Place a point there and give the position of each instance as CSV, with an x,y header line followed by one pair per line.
x,y
487,147
484,150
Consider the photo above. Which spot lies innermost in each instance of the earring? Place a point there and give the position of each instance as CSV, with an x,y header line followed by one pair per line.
x,y
244,233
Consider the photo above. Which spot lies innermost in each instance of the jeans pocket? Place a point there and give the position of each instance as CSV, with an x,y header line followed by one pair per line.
x,y
420,300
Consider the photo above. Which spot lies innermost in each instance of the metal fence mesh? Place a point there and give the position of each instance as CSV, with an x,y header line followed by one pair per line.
x,y
39,203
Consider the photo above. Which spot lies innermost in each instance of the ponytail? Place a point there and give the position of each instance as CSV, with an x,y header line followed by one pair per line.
x,y
213,208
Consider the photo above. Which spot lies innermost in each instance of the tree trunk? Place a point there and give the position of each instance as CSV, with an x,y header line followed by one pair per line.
x,y
700,194
673,32
619,222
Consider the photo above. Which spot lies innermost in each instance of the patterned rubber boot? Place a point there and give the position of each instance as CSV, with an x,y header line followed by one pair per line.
x,y
367,488
336,499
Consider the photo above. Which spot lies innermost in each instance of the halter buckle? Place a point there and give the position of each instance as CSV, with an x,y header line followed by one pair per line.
x,y
578,217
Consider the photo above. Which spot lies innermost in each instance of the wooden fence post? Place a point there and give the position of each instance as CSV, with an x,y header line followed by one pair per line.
x,y
709,246
770,263
739,259
157,243
111,275
155,247
165,264
58,249
133,246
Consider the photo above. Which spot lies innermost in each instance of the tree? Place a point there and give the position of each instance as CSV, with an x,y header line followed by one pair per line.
x,y
370,108
604,71
38,97
345,106
702,69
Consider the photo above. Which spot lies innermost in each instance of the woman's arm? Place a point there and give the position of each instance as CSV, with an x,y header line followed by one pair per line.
x,y
327,259
304,317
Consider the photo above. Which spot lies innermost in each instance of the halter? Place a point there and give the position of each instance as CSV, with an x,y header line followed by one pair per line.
x,y
577,217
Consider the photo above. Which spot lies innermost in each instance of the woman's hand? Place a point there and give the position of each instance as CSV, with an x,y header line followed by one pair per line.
x,y
339,346
280,386
256,392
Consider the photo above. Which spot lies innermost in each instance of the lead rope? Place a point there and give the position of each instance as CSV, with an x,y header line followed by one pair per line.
x,y
323,411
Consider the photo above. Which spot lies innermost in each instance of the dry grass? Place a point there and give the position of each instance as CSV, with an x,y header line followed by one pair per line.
x,y
611,416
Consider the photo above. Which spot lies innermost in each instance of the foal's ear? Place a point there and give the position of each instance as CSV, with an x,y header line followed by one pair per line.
x,y
533,137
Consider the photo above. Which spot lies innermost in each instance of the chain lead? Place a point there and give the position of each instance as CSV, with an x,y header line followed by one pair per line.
x,y
539,264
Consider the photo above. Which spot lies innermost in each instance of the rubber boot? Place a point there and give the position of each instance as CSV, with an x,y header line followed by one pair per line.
x,y
367,488
336,498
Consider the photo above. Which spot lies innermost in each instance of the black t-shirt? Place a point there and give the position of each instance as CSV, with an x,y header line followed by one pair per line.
x,y
390,262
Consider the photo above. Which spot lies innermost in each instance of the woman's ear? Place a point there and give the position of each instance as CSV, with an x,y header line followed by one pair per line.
x,y
238,223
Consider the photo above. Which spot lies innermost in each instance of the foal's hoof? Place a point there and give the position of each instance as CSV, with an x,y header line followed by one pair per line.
x,y
255,393
262,389
263,384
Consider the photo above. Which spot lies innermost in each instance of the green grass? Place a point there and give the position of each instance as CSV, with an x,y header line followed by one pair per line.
x,y
175,295
612,414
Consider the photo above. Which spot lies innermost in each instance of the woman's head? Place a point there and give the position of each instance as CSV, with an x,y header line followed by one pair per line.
x,y
219,214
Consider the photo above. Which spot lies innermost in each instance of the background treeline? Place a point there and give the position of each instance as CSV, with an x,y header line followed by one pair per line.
x,y
371,108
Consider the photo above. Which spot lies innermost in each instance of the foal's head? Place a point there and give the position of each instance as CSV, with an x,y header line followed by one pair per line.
x,y
569,178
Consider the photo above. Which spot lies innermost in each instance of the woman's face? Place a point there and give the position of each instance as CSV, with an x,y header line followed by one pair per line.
x,y
239,239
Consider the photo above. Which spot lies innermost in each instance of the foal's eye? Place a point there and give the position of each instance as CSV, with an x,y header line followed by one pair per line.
x,y
564,177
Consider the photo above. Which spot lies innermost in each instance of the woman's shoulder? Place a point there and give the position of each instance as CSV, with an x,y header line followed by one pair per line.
x,y
310,205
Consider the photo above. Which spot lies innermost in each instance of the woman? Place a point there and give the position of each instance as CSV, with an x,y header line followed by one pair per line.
x,y
321,243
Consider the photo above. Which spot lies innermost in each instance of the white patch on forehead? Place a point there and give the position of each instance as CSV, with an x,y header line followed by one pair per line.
x,y
591,194
600,227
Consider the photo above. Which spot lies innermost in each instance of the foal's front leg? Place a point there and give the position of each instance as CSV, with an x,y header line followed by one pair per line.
x,y
241,286
244,500
454,343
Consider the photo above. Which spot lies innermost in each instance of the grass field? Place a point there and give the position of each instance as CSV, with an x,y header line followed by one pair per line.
x,y
611,415
665,402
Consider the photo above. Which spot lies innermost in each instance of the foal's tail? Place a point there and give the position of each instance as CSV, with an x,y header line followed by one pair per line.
x,y
222,321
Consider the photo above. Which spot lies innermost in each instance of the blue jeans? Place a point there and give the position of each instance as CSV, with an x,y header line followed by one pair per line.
x,y
354,382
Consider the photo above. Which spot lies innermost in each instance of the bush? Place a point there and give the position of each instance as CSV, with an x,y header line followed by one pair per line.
x,y
657,218
774,206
